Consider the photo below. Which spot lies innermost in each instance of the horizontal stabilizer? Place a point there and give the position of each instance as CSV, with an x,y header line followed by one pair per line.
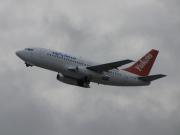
x,y
151,77
109,66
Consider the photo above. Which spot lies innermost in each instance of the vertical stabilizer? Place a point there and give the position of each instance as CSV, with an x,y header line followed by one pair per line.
x,y
144,65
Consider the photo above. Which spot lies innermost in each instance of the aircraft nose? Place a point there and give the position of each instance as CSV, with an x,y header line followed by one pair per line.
x,y
19,54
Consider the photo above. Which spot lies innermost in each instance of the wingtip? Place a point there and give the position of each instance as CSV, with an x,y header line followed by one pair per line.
x,y
130,60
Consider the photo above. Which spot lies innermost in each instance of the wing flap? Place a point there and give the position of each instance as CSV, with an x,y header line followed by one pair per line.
x,y
109,66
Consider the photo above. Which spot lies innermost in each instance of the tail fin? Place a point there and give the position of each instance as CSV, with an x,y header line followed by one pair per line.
x,y
144,65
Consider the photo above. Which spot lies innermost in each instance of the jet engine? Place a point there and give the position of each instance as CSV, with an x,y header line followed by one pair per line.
x,y
78,82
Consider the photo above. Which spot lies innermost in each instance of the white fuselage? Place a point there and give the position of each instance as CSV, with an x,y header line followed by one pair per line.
x,y
67,65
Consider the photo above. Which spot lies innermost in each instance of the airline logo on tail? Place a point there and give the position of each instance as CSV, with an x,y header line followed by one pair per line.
x,y
142,63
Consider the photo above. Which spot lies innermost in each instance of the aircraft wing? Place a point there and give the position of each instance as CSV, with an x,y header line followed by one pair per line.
x,y
109,66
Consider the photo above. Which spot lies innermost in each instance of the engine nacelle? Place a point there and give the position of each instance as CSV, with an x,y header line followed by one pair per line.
x,y
68,80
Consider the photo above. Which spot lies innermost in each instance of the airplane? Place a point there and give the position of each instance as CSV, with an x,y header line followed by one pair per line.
x,y
76,71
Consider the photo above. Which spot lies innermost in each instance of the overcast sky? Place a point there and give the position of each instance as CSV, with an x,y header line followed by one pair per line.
x,y
33,102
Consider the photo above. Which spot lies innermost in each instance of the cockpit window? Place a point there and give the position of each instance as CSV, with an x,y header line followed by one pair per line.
x,y
29,49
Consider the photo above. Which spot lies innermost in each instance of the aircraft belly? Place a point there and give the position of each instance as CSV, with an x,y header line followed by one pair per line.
x,y
116,81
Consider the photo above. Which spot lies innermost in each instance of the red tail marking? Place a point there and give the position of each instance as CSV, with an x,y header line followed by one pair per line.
x,y
144,65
